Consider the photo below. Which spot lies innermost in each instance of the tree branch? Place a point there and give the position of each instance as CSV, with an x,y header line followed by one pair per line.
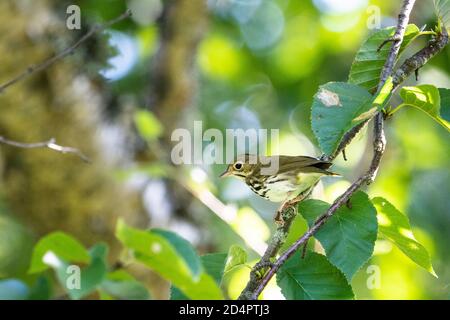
x,y
397,39
418,60
50,144
68,51
257,284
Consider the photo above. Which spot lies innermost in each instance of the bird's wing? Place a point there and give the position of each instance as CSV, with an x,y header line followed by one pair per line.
x,y
303,164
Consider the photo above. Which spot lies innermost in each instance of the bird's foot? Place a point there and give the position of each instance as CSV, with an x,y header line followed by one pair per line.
x,y
279,219
261,269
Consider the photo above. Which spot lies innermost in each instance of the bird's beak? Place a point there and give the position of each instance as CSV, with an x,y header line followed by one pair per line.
x,y
227,173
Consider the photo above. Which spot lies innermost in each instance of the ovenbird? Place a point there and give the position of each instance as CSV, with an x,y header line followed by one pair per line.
x,y
293,176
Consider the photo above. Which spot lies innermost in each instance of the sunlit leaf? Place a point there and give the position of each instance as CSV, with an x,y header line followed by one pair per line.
x,y
429,99
236,257
312,278
119,275
148,125
394,226
184,249
61,245
155,251
349,235
368,63
158,253
298,227
214,265
442,8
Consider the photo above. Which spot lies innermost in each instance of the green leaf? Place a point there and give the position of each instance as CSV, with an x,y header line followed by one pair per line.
x,y
445,103
394,226
204,289
41,289
368,63
427,98
61,245
298,227
236,257
349,235
119,275
121,285
334,110
442,8
89,277
155,251
148,125
312,278
214,265
100,250
13,289
125,290
184,249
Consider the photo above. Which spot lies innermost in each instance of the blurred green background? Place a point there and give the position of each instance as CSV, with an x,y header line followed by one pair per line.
x,y
252,64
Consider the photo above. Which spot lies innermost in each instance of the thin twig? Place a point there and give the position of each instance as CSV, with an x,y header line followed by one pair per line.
x,y
256,285
68,51
344,155
348,137
50,144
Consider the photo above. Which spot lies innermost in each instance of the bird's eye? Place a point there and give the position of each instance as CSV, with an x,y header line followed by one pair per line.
x,y
238,165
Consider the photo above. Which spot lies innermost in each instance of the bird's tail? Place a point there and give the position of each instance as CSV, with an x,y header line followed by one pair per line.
x,y
325,165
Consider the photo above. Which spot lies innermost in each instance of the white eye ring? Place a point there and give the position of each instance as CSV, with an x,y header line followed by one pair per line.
x,y
238,165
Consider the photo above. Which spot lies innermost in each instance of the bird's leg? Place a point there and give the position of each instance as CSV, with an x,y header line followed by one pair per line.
x,y
291,203
279,220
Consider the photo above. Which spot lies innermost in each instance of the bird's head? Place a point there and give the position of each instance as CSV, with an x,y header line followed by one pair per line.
x,y
242,167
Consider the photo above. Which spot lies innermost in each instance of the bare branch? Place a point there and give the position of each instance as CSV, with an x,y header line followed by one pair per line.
x,y
257,284
50,144
68,51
